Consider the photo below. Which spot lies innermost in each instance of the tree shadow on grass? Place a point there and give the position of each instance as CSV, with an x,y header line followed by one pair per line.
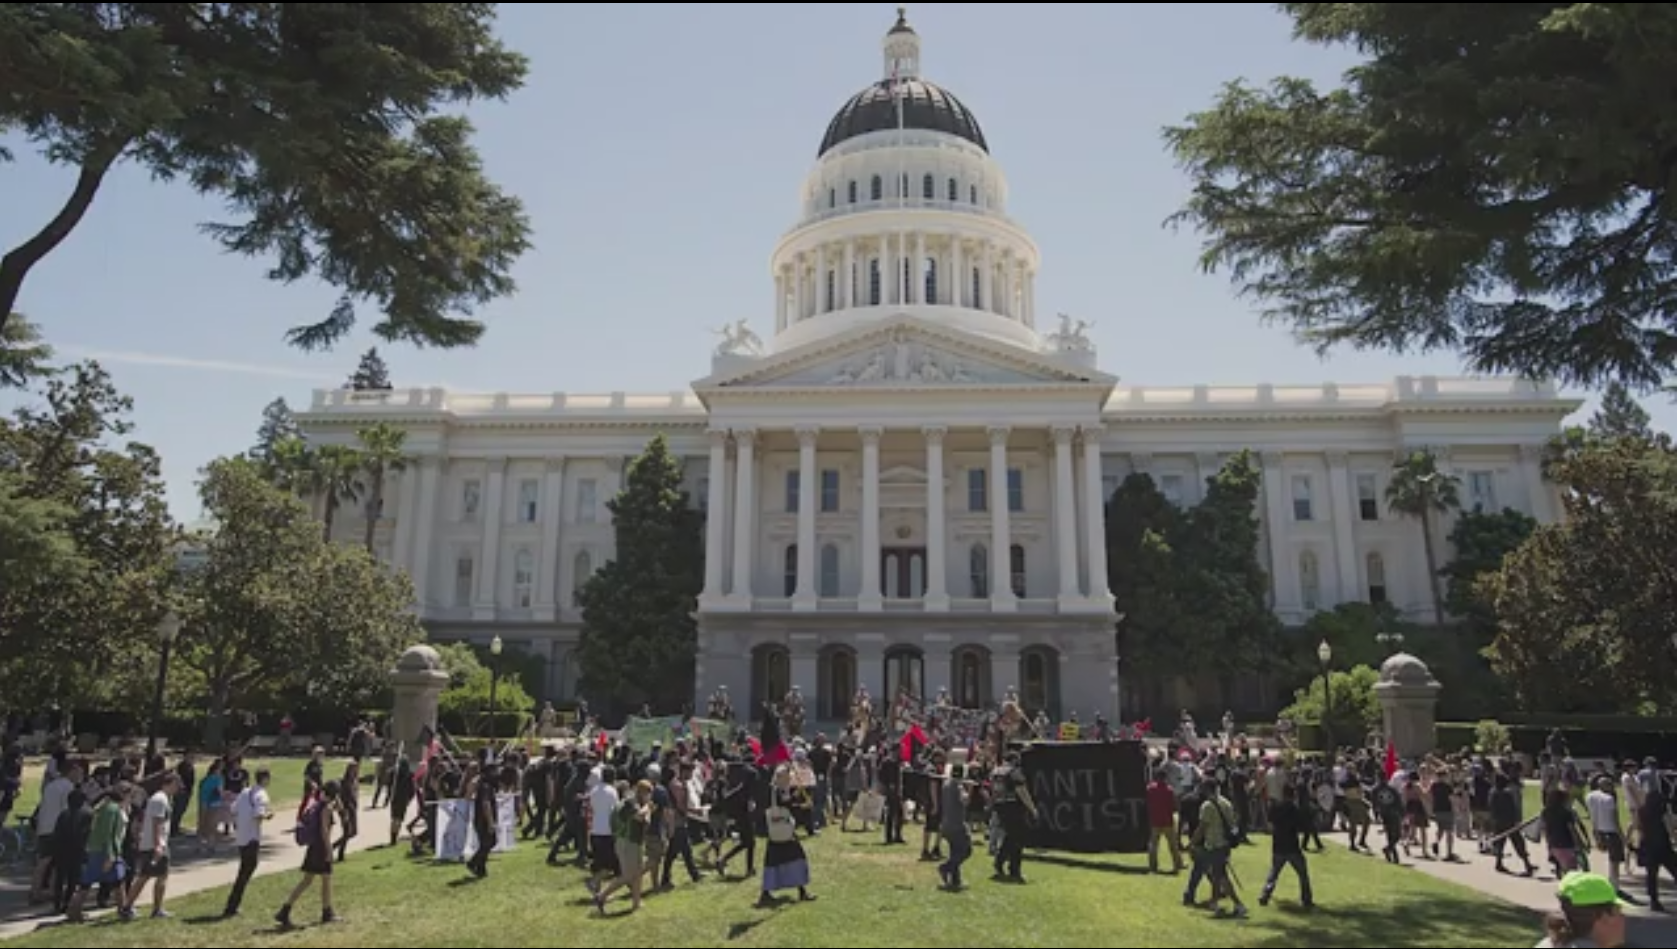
x,y
1406,922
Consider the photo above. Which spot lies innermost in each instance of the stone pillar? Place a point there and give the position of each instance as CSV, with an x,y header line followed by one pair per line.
x,y
937,540
489,569
1002,599
1342,485
804,597
1094,514
406,498
716,517
869,599
424,531
745,514
552,516
418,681
1282,570
1540,495
1408,696
1065,514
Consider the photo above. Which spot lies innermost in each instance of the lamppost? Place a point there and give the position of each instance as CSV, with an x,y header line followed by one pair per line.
x,y
1391,642
167,630
495,647
1324,655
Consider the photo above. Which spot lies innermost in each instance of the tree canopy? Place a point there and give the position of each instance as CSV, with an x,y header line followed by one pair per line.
x,y
638,632
371,374
323,127
1493,178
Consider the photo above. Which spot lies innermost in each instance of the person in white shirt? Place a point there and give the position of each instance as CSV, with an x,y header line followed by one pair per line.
x,y
251,809
55,799
602,844
154,849
1603,807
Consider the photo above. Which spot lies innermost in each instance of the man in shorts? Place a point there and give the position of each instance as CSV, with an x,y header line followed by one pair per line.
x,y
154,848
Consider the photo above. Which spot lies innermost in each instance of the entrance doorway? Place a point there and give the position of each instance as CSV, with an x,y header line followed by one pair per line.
x,y
903,572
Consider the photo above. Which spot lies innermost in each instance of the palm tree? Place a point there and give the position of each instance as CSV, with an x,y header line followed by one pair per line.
x,y
381,454
23,357
1421,491
335,477
290,466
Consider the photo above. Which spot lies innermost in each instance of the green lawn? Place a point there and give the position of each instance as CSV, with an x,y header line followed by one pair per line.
x,y
868,895
287,786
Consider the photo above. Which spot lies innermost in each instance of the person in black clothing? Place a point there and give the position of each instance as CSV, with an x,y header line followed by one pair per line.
x,y
683,821
1288,819
538,793
484,809
1443,816
1388,809
1505,824
891,786
188,773
1014,809
821,760
739,802
69,844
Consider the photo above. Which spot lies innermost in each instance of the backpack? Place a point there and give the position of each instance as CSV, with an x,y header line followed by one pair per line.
x,y
307,832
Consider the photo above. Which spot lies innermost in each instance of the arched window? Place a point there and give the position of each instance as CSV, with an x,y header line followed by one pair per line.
x,y
1375,567
977,289
853,192
523,579
830,571
931,281
790,569
1016,568
978,571
877,191
928,188
1310,582
582,570
954,190
905,667
838,686
875,283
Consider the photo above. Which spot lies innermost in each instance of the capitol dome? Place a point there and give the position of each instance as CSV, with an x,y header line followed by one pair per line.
x,y
926,107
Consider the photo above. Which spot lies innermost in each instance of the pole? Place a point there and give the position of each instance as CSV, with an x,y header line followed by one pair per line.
x,y
1327,714
494,683
157,696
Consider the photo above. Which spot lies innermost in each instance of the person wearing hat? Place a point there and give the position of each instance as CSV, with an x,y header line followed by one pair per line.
x,y
1590,915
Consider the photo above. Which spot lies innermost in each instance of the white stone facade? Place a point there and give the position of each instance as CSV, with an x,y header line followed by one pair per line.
x,y
944,462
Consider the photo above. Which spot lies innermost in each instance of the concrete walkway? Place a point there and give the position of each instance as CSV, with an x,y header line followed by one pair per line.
x,y
194,871
1536,893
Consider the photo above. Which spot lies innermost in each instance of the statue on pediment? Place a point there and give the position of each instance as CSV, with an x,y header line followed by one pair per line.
x,y
1072,334
738,339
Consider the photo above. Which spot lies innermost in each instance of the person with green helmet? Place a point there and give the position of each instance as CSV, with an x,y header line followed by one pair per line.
x,y
1591,914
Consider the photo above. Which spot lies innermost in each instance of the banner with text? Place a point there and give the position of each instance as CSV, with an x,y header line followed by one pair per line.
x,y
642,733
457,839
1092,796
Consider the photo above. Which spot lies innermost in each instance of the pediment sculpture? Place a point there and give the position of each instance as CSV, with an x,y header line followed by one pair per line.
x,y
902,362
1072,335
738,339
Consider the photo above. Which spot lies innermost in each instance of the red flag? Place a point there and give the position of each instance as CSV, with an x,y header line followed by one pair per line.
x,y
771,748
912,740
1391,760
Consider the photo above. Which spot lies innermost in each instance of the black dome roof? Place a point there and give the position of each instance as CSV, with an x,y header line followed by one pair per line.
x,y
926,107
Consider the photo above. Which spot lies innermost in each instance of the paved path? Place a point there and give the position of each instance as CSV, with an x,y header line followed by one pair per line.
x,y
1535,893
194,871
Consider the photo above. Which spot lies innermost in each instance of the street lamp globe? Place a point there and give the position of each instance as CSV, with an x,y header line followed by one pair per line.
x,y
1324,652
495,646
169,628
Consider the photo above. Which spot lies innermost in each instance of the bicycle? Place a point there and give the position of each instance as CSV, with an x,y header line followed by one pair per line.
x,y
17,843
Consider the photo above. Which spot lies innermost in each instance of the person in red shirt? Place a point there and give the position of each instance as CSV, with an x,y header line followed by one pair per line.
x,y
1161,818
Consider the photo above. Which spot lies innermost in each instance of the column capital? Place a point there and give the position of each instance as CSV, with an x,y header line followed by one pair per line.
x,y
1208,459
934,434
1063,434
1533,452
807,435
1271,459
871,434
555,464
1141,461
496,463
744,436
1339,459
1092,434
718,437
998,435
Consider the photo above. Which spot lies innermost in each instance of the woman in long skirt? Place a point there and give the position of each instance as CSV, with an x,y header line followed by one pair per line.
x,y
785,865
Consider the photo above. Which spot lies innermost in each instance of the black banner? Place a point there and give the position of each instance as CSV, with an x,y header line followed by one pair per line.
x,y
1091,796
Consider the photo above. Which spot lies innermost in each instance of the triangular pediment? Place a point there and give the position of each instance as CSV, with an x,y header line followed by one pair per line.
x,y
903,353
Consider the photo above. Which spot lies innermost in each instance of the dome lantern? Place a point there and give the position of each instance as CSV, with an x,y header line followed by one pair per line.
x,y
902,50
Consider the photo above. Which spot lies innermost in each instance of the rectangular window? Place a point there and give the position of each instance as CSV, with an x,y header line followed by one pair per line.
x,y
529,490
1170,486
1481,490
1368,497
1015,490
829,491
978,490
587,501
794,490
1303,510
471,499
464,571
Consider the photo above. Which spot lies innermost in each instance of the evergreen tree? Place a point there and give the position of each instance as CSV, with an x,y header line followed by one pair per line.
x,y
371,375
279,425
638,632
1620,415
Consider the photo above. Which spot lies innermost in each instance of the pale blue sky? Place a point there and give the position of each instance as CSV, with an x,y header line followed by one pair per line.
x,y
659,149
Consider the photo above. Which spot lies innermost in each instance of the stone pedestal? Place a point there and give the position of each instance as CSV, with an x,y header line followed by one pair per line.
x,y
418,681
1408,696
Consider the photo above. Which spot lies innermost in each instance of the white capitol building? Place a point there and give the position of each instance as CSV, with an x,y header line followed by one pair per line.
x,y
905,483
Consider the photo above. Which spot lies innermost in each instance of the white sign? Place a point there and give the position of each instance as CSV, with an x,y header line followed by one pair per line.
x,y
457,840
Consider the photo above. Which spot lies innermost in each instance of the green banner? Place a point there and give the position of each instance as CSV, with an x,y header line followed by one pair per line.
x,y
710,729
642,733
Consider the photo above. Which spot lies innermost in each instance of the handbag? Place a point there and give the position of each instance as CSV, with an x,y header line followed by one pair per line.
x,y
782,829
